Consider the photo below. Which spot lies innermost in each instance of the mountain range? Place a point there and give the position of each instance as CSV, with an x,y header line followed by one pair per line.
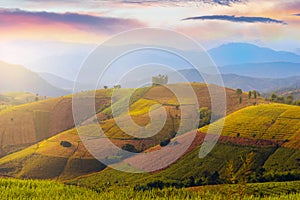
x,y
241,53
263,70
242,65
15,78
246,83
239,58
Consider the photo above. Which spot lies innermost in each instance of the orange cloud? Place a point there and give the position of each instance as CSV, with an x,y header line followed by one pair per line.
x,y
60,26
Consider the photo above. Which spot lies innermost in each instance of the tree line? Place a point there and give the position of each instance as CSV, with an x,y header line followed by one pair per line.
x,y
283,99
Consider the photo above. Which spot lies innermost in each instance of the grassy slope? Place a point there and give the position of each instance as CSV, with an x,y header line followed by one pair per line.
x,y
255,119
147,98
29,123
24,125
191,165
57,163
49,159
17,124
268,121
34,161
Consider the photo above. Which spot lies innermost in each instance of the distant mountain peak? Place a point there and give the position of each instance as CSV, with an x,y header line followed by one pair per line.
x,y
241,53
16,78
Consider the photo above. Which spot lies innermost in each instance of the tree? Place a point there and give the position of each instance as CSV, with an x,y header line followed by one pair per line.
x,y
254,94
239,92
289,99
229,172
230,176
205,116
240,99
258,94
246,171
246,167
164,142
37,97
105,87
249,94
130,148
65,144
280,99
189,182
273,97
297,102
215,178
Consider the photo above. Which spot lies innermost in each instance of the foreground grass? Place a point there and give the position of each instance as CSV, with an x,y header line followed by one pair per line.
x,y
34,189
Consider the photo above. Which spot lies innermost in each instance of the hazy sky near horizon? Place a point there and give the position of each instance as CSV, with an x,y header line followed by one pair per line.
x,y
269,23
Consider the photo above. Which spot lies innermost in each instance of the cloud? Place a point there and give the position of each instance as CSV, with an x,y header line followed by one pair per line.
x,y
226,2
233,18
220,2
94,4
297,14
291,5
15,17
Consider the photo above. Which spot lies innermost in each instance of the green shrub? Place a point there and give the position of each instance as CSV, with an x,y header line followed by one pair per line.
x,y
164,142
130,148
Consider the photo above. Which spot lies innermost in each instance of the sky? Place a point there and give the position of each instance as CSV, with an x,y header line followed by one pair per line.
x,y
33,29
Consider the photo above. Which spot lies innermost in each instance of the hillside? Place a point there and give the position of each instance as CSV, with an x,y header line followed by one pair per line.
x,y
43,119
55,116
51,159
27,124
270,163
276,122
276,154
15,78
272,137
276,163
